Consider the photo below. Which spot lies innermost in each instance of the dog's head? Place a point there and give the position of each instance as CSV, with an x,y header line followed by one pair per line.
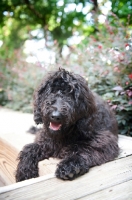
x,y
61,100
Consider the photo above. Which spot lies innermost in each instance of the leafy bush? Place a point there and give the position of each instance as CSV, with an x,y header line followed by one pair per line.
x,y
122,104
19,79
106,59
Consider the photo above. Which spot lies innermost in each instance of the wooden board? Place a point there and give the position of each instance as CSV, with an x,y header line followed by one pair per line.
x,y
13,136
125,144
99,179
122,191
14,126
49,166
8,163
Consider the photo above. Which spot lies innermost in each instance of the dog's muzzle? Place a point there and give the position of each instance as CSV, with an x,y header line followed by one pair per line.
x,y
55,120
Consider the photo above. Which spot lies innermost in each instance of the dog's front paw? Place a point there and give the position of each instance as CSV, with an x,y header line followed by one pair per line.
x,y
25,173
28,163
71,168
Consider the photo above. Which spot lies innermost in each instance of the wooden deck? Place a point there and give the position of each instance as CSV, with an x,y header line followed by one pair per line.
x,y
110,181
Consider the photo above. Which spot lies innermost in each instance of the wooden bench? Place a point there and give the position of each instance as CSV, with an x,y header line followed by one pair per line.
x,y
112,180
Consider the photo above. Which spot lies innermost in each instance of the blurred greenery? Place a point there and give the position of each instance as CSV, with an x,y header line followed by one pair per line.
x,y
58,19
103,53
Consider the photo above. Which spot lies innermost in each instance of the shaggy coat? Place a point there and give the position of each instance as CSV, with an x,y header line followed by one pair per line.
x,y
78,127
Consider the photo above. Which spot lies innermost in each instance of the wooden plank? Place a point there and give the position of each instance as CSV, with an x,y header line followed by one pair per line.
x,y
8,163
122,191
25,183
13,136
125,144
14,126
99,178
49,166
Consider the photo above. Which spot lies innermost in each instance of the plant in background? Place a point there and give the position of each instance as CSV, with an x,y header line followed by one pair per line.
x,y
106,59
121,103
18,81
116,83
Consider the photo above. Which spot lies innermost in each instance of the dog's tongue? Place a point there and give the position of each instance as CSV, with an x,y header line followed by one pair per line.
x,y
54,126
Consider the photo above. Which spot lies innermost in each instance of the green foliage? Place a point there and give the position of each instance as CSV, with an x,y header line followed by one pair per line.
x,y
18,80
57,19
106,59
122,9
122,103
54,17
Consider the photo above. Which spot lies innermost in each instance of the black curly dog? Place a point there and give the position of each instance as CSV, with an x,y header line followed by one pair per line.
x,y
78,127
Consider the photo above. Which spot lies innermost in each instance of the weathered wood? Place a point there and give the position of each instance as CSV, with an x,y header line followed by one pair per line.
x,y
122,191
8,163
13,136
99,178
25,183
125,144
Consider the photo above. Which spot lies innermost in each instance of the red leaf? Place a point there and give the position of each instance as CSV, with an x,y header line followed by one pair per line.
x,y
130,76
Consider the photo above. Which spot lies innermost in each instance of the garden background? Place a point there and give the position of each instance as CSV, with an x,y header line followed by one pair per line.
x,y
92,38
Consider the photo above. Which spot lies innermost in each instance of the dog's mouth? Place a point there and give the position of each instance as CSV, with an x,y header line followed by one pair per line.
x,y
55,126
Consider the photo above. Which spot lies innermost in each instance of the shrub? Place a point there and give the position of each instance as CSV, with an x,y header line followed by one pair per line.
x,y
106,59
19,79
121,102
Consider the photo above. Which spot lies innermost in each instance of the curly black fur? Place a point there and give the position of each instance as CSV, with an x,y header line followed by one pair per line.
x,y
78,127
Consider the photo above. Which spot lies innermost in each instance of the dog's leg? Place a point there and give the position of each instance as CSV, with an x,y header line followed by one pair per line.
x,y
28,162
101,149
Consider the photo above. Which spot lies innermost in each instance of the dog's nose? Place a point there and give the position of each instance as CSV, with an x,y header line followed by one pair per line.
x,y
55,116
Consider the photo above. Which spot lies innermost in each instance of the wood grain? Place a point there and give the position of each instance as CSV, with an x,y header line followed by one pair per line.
x,y
125,144
98,179
8,155
122,191
13,136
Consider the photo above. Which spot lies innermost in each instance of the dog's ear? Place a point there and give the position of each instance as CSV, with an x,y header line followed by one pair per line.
x,y
37,110
84,97
89,102
37,107
38,97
